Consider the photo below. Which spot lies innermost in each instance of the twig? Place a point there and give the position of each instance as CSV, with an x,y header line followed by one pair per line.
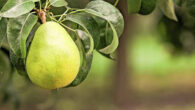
x,y
41,14
116,3
40,5
68,27
63,14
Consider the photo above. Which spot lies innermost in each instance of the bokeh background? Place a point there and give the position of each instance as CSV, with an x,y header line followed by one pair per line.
x,y
152,72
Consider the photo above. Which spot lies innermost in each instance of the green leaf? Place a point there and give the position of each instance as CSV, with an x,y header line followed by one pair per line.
x,y
19,63
113,26
108,12
190,5
84,39
58,3
167,7
15,8
82,43
84,70
134,6
84,25
3,28
89,25
17,32
2,3
147,6
31,36
114,44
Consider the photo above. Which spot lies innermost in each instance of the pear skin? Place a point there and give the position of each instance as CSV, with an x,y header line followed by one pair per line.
x,y
53,60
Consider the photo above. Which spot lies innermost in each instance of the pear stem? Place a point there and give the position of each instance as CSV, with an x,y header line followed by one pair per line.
x,y
41,14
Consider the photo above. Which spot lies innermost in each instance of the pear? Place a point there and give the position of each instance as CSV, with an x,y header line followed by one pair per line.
x,y
53,59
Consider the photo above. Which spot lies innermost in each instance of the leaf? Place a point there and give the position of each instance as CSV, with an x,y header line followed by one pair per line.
x,y
17,32
147,7
114,44
113,18
3,28
19,64
89,25
2,3
15,8
86,58
167,7
84,70
85,39
58,3
31,36
78,20
108,12
134,6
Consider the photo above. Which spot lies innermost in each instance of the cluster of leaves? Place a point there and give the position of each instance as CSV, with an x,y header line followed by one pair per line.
x,y
96,27
177,23
145,7
180,34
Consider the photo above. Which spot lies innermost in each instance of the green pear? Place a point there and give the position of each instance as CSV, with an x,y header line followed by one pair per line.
x,y
53,60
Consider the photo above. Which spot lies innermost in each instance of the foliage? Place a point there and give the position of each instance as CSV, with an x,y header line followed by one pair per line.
x,y
180,34
92,28
177,24
98,27
146,7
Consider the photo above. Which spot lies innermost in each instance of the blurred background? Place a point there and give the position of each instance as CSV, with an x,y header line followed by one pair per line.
x,y
154,70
